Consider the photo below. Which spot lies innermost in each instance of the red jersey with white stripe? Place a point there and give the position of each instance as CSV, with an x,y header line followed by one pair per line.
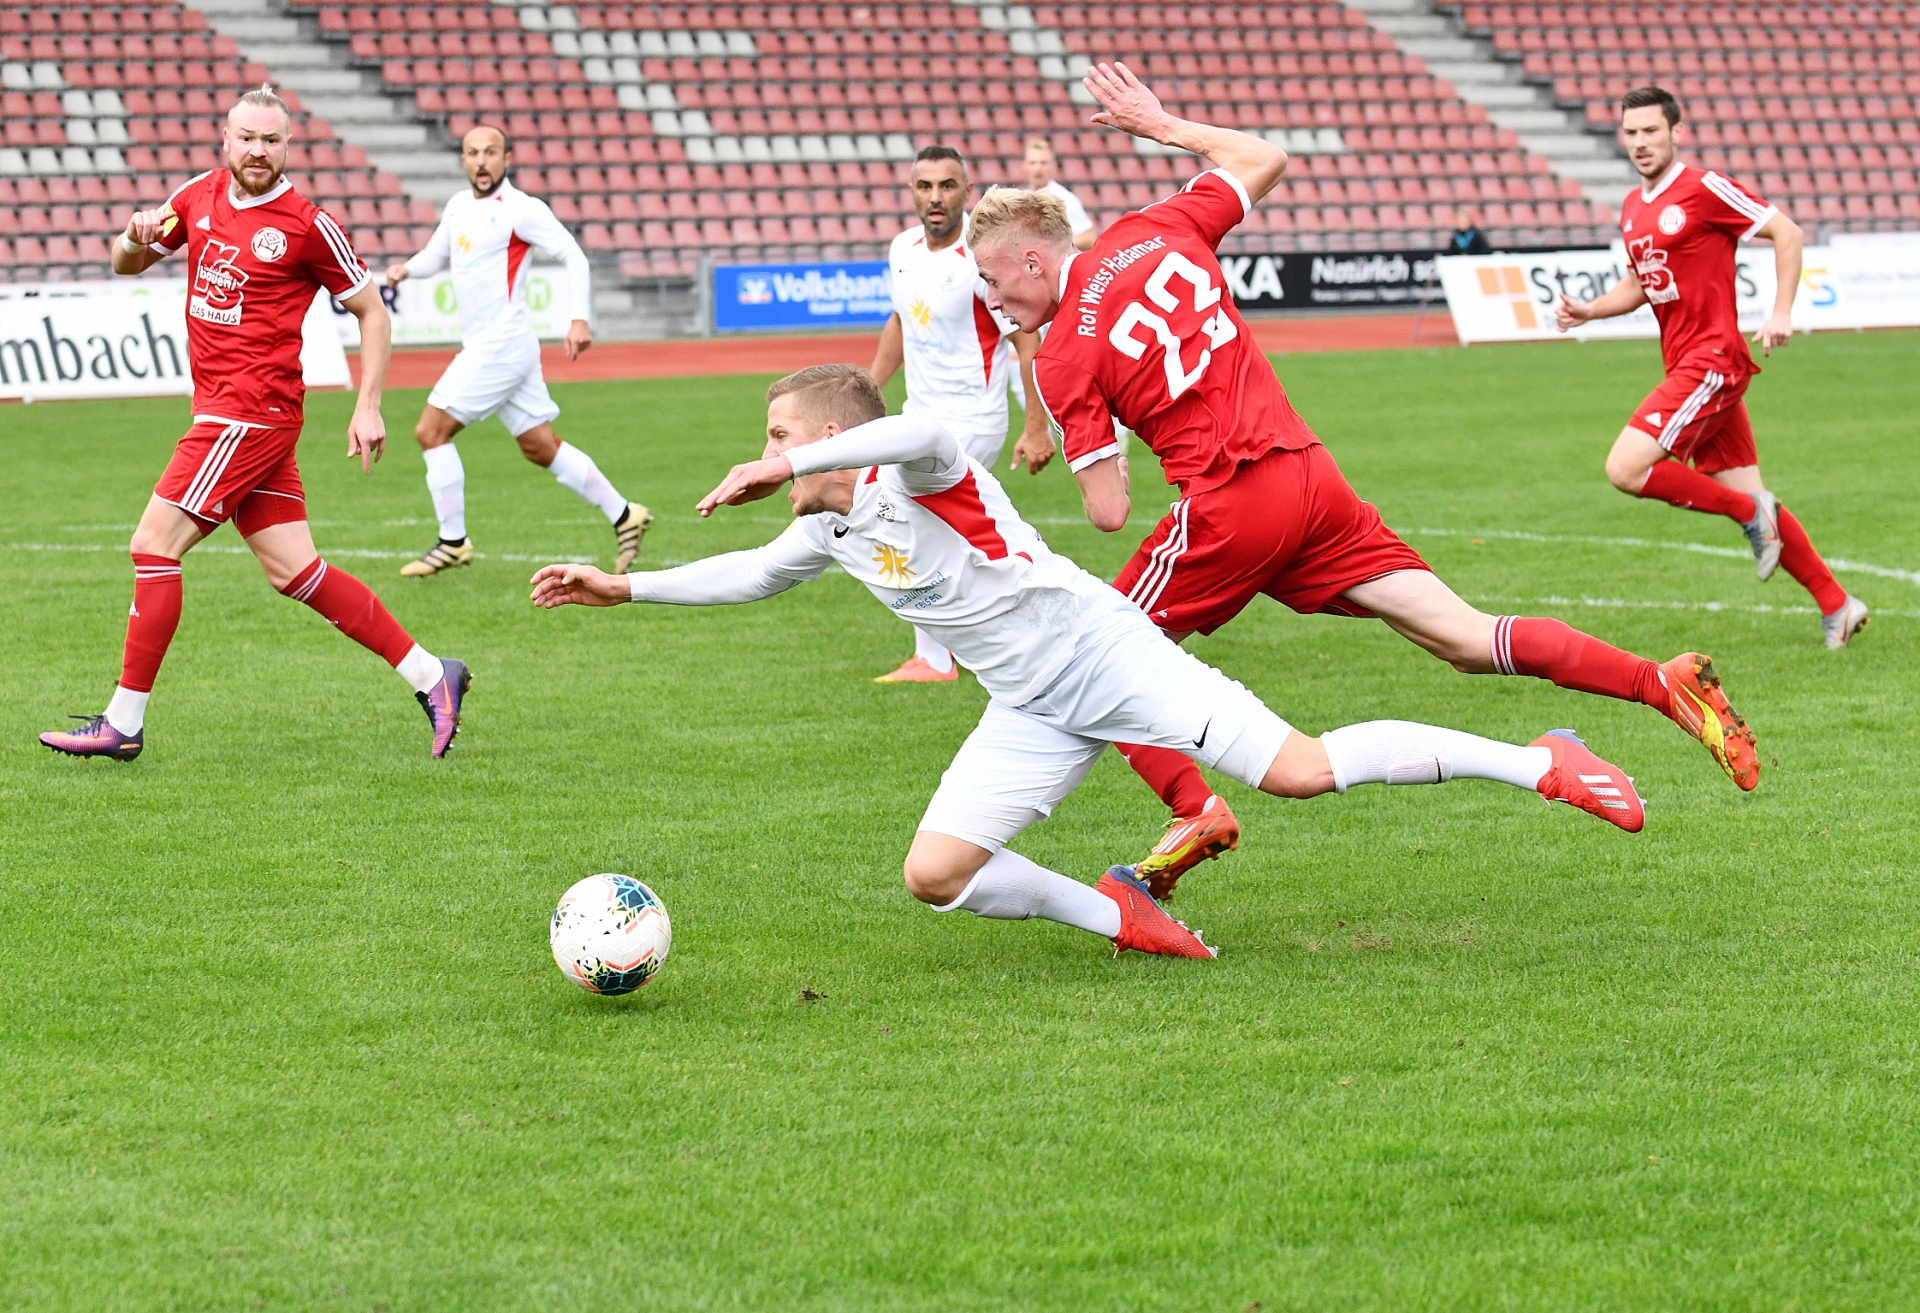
x,y
1681,233
959,362
1147,334
486,241
936,539
255,265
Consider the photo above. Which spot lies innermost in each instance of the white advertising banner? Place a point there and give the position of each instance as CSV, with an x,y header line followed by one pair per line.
x,y
1511,298
127,338
426,311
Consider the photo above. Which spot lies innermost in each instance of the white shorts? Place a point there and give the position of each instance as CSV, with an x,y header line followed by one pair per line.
x,y
497,380
1127,683
984,445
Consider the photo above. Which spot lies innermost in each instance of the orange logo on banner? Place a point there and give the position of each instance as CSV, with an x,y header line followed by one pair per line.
x,y
1507,283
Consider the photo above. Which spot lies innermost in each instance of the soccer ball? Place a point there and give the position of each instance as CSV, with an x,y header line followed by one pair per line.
x,y
610,934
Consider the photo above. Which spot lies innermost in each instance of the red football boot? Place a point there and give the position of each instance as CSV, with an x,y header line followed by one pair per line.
x,y
1580,779
1144,926
1189,841
1702,710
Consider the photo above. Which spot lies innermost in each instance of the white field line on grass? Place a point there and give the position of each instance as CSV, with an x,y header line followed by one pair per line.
x,y
1629,604
1702,549
341,553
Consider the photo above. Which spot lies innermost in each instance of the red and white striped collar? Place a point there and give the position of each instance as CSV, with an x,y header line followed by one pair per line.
x,y
1666,181
273,193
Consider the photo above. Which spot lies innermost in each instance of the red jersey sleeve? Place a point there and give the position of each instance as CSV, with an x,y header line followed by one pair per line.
x,y
182,202
330,256
1074,404
1734,209
1215,203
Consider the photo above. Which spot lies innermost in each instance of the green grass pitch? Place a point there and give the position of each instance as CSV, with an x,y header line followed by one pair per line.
x,y
279,1028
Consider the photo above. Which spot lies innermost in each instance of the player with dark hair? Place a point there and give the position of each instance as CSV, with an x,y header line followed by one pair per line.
x,y
258,253
1690,444
960,358
485,234
1143,331
1069,664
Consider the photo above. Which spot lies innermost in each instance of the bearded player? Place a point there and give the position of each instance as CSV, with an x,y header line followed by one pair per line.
x,y
1690,444
1070,665
258,253
959,356
485,236
1143,331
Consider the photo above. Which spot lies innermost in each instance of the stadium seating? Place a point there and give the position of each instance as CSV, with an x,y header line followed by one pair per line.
x,y
775,132
102,108
1816,106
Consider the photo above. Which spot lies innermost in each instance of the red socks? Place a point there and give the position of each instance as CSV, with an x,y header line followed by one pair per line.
x,y
1677,485
1803,563
1172,775
150,625
1548,649
350,607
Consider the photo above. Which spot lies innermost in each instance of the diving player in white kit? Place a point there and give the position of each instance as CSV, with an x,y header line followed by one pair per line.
x,y
485,236
1070,664
959,355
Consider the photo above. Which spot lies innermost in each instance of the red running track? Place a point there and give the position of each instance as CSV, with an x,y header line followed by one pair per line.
x,y
696,357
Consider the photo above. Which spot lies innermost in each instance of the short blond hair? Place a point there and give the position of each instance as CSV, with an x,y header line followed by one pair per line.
x,y
840,394
1011,213
263,97
1043,144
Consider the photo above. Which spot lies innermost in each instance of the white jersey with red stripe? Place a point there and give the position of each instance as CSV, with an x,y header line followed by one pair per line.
x,y
485,241
959,361
935,538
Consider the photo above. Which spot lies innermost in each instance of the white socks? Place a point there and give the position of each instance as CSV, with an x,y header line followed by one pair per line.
x,y
447,484
419,667
1404,752
578,474
128,710
1012,888
935,654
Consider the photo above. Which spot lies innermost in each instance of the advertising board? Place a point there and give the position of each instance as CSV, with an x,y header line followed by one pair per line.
x,y
854,294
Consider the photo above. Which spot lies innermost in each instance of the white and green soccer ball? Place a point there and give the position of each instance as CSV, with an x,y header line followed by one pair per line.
x,y
610,934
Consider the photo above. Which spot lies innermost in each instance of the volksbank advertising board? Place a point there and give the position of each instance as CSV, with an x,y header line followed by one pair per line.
x,y
850,295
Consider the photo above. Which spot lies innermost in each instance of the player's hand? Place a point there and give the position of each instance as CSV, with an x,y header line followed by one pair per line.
x,y
397,274
578,585
579,338
1034,446
745,483
1570,312
1777,331
149,226
1125,101
366,437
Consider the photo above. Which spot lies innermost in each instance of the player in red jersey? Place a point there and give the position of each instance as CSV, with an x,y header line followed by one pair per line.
x,y
1690,443
259,253
1143,331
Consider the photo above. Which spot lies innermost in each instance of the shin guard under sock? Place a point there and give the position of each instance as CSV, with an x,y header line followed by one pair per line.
x,y
1552,650
1803,563
351,607
150,625
1171,775
1677,485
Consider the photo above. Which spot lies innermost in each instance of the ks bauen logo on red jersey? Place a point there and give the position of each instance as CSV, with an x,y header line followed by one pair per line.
x,y
217,285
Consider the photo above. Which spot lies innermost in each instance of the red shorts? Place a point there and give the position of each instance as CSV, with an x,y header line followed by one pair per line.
x,y
235,471
1700,416
1287,525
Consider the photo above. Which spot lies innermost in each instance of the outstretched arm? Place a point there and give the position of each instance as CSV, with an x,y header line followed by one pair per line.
x,y
724,580
923,445
1129,106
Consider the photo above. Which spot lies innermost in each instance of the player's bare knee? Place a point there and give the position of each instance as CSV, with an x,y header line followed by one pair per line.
x,y
428,434
932,880
539,445
1301,770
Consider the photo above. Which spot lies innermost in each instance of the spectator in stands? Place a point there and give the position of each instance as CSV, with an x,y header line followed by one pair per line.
x,y
1467,238
1041,166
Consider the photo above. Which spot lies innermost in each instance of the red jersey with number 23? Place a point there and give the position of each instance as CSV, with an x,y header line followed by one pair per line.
x,y
1681,236
1147,334
254,267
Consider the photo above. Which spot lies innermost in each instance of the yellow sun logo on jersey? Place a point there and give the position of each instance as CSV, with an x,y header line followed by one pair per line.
x,y
465,243
920,315
893,566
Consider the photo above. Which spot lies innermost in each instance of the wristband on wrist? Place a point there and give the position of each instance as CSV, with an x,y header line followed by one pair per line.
x,y
132,247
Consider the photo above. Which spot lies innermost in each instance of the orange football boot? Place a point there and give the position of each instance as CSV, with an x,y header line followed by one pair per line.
x,y
1580,779
1702,710
1144,925
917,670
1188,842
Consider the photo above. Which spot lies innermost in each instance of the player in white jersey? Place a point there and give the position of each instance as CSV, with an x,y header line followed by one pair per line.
x,y
485,236
1071,664
959,355
1041,165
